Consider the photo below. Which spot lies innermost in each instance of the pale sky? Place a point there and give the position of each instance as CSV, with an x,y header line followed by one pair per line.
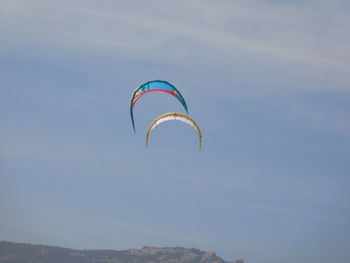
x,y
267,82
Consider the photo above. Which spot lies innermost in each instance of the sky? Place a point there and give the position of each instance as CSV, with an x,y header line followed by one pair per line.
x,y
266,81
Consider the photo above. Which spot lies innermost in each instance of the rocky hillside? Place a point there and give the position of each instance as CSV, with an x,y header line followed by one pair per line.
x,y
26,253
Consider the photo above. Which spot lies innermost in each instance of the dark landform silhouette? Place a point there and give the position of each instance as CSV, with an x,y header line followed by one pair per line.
x,y
27,253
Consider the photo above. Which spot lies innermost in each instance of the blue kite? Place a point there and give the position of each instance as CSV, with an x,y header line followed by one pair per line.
x,y
154,85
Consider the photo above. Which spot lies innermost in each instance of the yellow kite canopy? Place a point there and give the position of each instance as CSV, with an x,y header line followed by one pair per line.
x,y
175,116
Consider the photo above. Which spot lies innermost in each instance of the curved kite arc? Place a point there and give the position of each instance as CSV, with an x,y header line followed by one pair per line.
x,y
154,85
174,116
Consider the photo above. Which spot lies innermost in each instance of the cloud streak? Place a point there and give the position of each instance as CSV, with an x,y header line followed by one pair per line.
x,y
308,35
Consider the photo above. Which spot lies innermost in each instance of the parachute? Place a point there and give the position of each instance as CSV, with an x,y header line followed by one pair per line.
x,y
154,85
174,116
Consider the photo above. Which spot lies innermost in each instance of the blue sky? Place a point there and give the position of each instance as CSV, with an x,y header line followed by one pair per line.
x,y
267,81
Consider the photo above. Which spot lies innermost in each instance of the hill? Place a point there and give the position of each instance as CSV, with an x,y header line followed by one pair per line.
x,y
27,253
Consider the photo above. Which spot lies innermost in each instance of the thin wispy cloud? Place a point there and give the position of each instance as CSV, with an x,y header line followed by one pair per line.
x,y
321,118
309,35
267,81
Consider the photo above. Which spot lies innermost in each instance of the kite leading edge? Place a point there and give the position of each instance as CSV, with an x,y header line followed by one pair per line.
x,y
174,116
154,85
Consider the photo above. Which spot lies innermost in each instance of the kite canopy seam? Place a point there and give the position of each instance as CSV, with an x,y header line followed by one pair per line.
x,y
150,86
174,116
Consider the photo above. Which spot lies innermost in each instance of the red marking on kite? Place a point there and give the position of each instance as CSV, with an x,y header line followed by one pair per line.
x,y
167,91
